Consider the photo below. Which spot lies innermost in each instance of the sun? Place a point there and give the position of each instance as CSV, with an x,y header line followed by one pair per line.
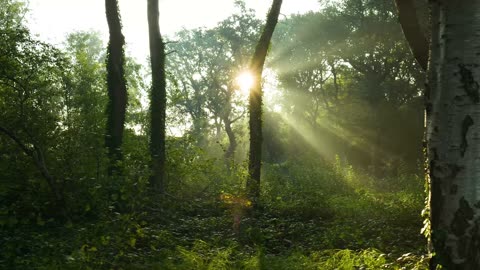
x,y
245,82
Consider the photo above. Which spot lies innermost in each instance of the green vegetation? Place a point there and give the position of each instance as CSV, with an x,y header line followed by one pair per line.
x,y
304,224
342,183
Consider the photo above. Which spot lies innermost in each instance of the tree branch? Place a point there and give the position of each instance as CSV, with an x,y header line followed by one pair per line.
x,y
407,16
39,160
12,136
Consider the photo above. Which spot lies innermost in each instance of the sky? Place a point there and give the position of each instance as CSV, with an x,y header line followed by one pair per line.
x,y
52,20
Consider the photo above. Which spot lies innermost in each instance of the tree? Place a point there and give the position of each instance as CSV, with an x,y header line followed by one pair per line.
x,y
238,33
452,106
363,77
85,100
157,98
31,88
11,14
385,72
308,70
190,66
203,66
255,103
117,89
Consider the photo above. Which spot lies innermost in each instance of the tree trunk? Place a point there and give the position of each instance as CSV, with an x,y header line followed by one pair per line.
x,y
230,152
453,114
232,140
199,128
157,99
117,90
255,103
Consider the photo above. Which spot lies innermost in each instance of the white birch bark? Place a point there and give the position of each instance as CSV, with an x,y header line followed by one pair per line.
x,y
453,133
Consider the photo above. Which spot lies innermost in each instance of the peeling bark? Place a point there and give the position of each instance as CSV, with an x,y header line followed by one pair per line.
x,y
470,85
453,135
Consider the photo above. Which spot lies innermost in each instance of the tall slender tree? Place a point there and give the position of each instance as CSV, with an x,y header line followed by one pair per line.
x,y
255,103
157,98
117,89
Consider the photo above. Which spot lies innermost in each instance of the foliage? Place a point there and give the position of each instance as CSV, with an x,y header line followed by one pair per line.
x,y
198,232
322,205
347,73
203,68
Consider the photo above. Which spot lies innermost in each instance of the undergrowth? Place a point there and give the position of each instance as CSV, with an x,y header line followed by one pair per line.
x,y
311,217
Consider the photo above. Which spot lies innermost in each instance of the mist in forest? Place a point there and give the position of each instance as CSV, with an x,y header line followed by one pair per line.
x,y
108,161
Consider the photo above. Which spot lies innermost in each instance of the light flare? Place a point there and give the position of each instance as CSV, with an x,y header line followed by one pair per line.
x,y
245,82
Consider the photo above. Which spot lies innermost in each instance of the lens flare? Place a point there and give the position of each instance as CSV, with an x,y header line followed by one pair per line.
x,y
245,82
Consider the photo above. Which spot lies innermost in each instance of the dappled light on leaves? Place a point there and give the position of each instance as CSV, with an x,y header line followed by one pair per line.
x,y
237,206
235,201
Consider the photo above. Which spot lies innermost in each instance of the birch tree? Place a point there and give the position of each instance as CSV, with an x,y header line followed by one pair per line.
x,y
452,117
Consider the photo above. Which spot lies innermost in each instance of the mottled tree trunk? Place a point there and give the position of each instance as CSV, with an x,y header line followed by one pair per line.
x,y
232,146
453,134
117,89
229,155
255,103
157,98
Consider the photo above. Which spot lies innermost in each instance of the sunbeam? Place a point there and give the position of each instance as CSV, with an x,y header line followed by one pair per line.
x,y
245,82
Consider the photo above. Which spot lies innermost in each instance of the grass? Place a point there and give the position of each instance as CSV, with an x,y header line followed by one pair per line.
x,y
323,218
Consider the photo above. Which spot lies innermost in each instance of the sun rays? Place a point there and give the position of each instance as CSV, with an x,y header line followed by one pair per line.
x,y
245,82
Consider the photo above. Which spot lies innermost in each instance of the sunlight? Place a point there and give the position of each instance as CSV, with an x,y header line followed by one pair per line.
x,y
245,82
345,134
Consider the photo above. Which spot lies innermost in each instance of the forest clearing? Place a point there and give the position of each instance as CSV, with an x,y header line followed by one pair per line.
x,y
340,136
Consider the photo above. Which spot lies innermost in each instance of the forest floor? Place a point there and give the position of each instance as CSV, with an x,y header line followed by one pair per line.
x,y
358,227
365,231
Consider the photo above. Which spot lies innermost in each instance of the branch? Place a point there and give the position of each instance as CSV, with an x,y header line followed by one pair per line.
x,y
239,117
170,52
170,42
39,160
12,136
407,16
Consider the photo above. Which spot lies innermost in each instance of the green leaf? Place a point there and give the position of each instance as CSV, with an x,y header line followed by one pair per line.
x,y
132,242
